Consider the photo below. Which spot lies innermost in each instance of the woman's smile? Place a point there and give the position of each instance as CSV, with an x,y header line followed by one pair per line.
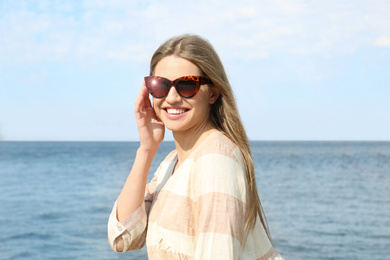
x,y
175,111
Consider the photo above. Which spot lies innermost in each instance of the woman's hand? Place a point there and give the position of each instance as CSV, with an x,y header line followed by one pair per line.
x,y
151,133
150,128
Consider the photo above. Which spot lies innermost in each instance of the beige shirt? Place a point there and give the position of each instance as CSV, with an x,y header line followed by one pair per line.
x,y
196,213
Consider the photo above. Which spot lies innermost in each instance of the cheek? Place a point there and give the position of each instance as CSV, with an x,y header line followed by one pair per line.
x,y
202,108
202,102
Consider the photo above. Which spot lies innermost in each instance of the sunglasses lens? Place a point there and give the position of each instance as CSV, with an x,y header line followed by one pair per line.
x,y
159,87
186,88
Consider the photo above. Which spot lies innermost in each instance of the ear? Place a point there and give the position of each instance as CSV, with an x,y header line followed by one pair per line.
x,y
214,94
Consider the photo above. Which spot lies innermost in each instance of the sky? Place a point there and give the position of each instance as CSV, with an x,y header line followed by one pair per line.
x,y
300,69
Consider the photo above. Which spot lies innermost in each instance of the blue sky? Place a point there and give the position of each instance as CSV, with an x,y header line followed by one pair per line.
x,y
301,70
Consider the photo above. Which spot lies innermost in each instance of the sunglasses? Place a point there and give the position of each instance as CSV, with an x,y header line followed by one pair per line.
x,y
186,87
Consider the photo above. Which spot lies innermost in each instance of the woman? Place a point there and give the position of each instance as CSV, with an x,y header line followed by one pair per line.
x,y
202,202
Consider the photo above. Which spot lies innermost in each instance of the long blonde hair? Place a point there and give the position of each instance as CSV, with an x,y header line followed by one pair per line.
x,y
224,112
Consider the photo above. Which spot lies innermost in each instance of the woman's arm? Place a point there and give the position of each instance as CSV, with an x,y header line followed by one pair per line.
x,y
133,191
151,133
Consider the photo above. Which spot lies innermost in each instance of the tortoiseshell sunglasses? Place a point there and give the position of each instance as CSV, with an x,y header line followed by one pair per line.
x,y
186,87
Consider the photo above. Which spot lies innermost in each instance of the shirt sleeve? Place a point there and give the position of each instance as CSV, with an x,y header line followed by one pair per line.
x,y
131,230
221,207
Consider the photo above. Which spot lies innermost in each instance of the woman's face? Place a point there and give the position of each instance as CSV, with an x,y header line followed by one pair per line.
x,y
177,113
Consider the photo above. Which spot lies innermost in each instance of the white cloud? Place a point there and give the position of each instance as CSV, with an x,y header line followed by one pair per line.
x,y
382,41
291,45
103,29
248,11
111,4
294,7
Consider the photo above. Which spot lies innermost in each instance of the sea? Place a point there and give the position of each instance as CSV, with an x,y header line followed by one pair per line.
x,y
323,200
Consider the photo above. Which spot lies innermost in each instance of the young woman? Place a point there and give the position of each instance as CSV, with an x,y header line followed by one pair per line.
x,y
202,202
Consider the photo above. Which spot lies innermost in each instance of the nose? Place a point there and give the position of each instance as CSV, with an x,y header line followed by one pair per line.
x,y
173,96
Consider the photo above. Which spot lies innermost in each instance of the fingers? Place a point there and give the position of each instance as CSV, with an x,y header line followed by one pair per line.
x,y
144,112
159,120
146,95
142,101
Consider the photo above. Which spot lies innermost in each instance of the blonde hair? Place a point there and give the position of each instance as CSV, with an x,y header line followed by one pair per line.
x,y
224,112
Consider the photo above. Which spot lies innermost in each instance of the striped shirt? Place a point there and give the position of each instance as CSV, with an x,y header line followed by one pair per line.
x,y
196,213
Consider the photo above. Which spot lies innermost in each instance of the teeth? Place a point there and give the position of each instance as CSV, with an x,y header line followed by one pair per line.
x,y
175,111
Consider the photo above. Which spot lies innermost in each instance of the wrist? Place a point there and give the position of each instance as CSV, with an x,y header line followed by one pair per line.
x,y
148,151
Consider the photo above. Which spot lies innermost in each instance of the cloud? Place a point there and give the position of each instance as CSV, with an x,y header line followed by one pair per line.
x,y
95,51
382,41
45,30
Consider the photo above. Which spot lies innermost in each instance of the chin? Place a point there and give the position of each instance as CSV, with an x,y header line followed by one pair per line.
x,y
175,127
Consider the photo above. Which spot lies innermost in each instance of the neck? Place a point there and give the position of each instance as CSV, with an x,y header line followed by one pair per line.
x,y
187,141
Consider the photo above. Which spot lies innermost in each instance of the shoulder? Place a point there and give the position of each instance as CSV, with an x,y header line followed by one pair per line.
x,y
218,145
167,160
170,157
166,165
219,168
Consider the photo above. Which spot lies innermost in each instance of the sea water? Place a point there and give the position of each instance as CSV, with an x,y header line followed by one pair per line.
x,y
323,200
